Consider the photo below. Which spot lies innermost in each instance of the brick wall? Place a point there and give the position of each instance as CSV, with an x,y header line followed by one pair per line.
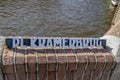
x,y
57,64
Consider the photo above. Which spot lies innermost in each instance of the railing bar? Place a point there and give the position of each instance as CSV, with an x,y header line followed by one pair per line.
x,y
26,63
46,64
14,63
37,65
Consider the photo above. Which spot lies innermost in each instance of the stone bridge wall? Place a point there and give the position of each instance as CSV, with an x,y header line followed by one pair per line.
x,y
113,45
116,17
113,42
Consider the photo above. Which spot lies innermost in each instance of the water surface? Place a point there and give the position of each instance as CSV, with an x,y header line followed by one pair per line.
x,y
55,18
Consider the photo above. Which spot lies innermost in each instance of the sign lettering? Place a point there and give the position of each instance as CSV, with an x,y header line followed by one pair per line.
x,y
44,42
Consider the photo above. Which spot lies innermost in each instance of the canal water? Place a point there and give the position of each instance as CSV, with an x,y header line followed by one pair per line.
x,y
55,18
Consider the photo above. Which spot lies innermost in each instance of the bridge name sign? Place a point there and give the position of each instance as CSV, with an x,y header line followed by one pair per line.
x,y
53,42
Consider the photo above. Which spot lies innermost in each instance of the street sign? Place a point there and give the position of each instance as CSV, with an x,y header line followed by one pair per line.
x,y
53,42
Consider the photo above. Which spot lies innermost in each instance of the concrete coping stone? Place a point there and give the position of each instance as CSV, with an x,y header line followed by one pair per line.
x,y
113,45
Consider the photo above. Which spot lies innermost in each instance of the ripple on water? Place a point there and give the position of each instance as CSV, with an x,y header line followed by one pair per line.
x,y
77,18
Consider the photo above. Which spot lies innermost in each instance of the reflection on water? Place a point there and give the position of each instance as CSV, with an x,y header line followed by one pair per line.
x,y
73,18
